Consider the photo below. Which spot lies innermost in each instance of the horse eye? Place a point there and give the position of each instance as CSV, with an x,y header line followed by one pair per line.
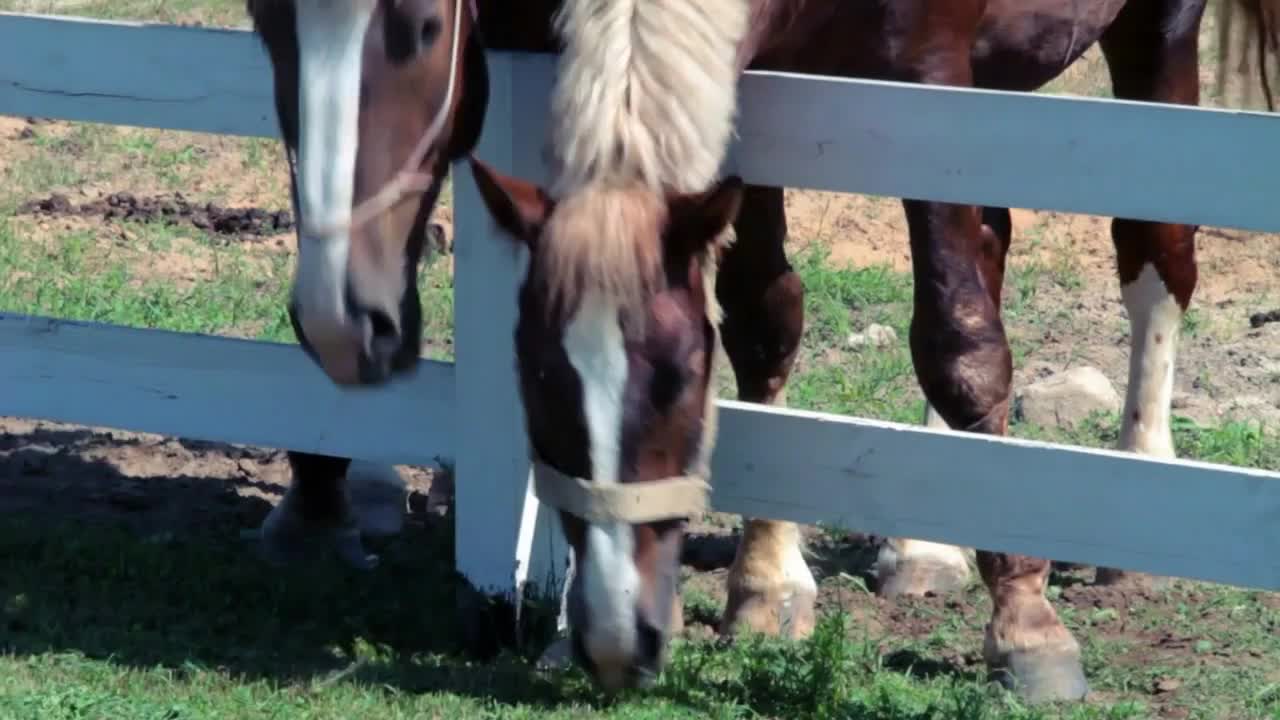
x,y
430,31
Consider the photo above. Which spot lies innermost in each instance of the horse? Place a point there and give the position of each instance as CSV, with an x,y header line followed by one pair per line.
x,y
374,100
632,284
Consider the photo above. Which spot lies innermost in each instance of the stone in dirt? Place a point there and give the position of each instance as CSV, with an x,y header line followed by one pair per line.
x,y
1066,398
875,335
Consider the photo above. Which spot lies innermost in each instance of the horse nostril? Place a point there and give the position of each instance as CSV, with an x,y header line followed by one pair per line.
x,y
382,326
648,646
383,335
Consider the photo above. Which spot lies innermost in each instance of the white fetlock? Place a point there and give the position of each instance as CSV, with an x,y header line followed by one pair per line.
x,y
379,497
771,589
916,567
282,535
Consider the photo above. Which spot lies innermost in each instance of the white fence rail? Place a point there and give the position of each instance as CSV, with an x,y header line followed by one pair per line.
x,y
1136,160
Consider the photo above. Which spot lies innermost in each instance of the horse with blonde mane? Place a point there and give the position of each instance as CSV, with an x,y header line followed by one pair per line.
x,y
632,285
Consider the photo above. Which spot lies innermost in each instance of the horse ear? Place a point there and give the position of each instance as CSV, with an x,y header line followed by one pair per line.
x,y
697,220
520,208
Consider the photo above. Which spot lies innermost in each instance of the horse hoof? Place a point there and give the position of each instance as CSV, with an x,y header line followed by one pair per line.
x,y
1042,675
351,550
378,494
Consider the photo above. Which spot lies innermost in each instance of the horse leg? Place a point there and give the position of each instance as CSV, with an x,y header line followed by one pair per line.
x,y
906,566
914,567
316,500
771,589
962,359
1152,53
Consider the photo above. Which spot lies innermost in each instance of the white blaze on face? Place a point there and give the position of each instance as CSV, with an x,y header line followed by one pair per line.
x,y
594,344
330,42
1154,319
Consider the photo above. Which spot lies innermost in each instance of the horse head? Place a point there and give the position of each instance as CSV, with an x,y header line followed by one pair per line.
x,y
374,98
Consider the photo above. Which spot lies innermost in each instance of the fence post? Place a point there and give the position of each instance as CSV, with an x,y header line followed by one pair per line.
x,y
506,542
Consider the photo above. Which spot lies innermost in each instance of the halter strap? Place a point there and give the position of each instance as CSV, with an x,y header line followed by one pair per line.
x,y
634,503
410,178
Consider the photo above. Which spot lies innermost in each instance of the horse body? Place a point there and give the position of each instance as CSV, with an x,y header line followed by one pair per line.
x,y
958,343
959,348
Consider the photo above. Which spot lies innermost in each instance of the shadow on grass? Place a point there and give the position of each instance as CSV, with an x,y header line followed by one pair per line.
x,y
151,571
164,581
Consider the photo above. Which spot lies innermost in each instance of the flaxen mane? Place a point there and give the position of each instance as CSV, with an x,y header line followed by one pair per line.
x,y
647,91
645,103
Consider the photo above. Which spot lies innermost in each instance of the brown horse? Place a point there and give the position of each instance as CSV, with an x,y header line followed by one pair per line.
x,y
618,323
374,99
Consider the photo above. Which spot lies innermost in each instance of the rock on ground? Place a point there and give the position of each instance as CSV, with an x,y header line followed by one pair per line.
x,y
1066,398
875,335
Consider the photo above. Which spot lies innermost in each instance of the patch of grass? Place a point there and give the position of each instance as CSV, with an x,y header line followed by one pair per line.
x,y
435,285
700,606
77,279
242,293
172,163
1238,443
100,623
830,375
224,13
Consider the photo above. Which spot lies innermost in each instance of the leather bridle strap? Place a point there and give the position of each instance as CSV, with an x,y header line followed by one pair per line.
x,y
671,498
410,178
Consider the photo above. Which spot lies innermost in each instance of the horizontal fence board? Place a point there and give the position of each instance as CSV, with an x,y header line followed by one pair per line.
x,y
1180,518
140,74
217,389
1083,155
1171,517
1095,156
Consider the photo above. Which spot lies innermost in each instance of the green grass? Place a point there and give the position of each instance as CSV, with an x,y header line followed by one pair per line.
x,y
68,283
100,624
224,13
75,279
